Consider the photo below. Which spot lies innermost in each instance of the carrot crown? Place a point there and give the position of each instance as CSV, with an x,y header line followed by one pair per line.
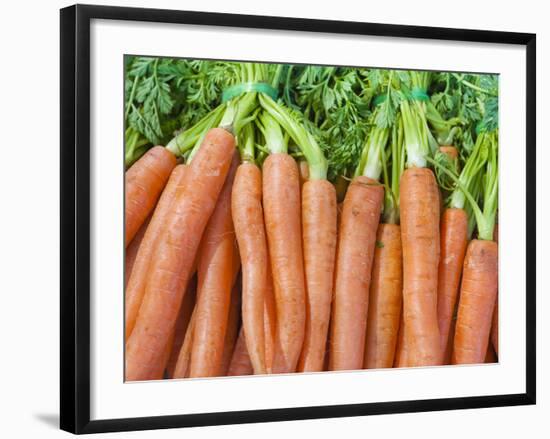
x,y
304,140
395,155
275,141
187,139
478,184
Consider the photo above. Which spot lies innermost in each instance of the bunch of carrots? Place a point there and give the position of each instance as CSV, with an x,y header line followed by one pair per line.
x,y
253,246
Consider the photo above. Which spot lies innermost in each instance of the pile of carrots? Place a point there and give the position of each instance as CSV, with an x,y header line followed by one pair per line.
x,y
241,260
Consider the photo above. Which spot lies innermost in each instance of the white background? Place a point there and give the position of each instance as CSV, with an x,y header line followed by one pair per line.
x,y
29,238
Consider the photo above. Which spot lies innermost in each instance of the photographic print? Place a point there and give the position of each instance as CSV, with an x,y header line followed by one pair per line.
x,y
314,219
302,218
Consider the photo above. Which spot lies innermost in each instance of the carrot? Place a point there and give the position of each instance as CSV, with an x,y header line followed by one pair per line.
x,y
270,320
183,362
281,194
421,247
319,236
240,361
160,374
494,325
138,279
181,369
282,218
248,218
184,317
175,252
232,332
401,350
454,239
144,182
447,355
479,285
385,299
477,301
215,276
491,356
357,237
132,251
450,151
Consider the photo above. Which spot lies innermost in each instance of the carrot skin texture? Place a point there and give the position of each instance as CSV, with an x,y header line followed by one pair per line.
x,y
132,251
319,237
137,281
356,242
248,218
477,302
215,276
240,361
421,246
184,317
144,182
175,252
385,301
282,212
454,239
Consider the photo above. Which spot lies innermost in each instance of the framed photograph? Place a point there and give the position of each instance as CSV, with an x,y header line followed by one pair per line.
x,y
274,218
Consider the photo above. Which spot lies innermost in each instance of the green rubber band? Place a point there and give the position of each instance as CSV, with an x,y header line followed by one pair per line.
x,y
419,94
379,99
479,127
239,89
416,94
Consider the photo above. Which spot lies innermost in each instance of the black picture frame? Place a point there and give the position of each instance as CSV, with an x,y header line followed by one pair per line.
x,y
75,217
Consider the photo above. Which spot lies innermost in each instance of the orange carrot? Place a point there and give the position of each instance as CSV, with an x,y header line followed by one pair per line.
x,y
215,276
270,320
450,151
159,375
454,239
138,278
385,301
248,218
181,369
132,251
281,194
232,332
319,235
447,356
240,361
175,252
182,323
494,325
183,362
356,242
401,351
478,294
421,247
144,183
